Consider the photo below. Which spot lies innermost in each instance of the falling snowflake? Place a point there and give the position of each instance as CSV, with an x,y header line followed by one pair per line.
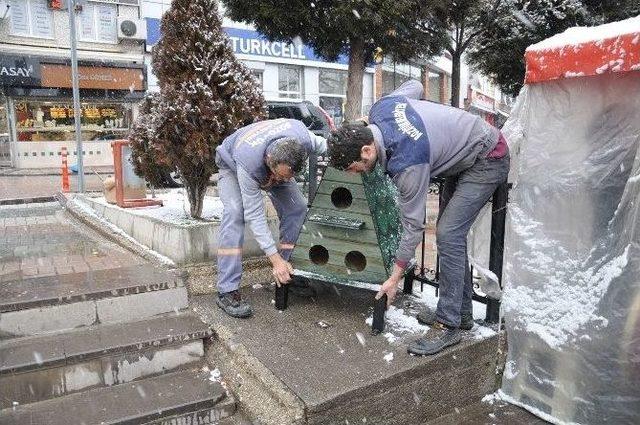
x,y
141,391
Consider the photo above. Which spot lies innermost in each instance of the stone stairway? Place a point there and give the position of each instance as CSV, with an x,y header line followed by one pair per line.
x,y
109,346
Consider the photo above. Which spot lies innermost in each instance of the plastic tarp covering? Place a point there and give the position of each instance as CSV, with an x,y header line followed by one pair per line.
x,y
572,252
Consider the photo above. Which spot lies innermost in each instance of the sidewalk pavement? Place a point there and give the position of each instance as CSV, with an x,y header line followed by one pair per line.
x,y
27,186
9,171
38,240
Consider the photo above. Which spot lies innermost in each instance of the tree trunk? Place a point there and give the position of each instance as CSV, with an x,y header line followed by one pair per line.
x,y
455,78
353,108
195,193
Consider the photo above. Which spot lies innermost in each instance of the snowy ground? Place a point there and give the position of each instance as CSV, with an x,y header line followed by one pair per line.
x,y
175,209
401,323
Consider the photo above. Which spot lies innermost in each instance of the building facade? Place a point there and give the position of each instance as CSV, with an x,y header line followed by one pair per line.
x,y
36,112
434,74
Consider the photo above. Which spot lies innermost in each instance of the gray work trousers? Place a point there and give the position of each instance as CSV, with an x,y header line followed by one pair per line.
x,y
290,205
463,197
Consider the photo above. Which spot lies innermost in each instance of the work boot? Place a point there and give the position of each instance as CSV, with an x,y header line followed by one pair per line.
x,y
428,317
435,340
301,288
234,305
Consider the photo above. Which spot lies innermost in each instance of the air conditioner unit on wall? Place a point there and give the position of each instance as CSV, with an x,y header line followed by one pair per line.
x,y
5,9
132,29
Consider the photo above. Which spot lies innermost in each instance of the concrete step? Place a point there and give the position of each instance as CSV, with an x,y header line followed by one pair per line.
x,y
47,304
494,412
38,368
174,398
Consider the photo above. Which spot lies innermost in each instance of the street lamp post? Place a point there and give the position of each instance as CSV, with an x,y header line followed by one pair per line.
x,y
73,5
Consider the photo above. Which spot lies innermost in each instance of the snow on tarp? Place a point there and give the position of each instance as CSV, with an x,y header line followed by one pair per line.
x,y
572,250
585,51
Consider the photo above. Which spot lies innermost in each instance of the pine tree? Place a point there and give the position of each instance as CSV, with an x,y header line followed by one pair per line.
x,y
206,93
144,156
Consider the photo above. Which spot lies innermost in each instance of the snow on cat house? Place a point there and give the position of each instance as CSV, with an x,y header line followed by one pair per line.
x,y
572,272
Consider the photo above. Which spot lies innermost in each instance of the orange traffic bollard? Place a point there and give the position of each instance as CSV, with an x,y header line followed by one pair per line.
x,y
65,171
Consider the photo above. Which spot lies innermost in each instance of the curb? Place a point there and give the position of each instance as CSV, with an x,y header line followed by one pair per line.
x,y
34,200
261,394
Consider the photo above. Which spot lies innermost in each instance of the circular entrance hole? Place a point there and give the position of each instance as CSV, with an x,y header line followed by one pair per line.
x,y
355,260
318,255
341,197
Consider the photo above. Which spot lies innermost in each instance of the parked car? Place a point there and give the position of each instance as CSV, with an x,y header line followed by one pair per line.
x,y
314,117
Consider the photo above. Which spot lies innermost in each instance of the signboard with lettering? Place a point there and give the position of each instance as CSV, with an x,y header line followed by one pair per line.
x,y
111,78
249,42
482,101
19,71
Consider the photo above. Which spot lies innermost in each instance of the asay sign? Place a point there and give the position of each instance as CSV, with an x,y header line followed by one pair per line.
x,y
15,70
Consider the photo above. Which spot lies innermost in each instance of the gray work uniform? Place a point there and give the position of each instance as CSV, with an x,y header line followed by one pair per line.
x,y
416,140
242,174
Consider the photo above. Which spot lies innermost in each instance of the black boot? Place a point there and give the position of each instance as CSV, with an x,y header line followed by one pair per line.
x,y
435,340
234,305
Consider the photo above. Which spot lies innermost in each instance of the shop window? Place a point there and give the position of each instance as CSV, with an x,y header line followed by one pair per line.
x,y
98,23
395,74
333,89
290,81
54,121
332,81
31,18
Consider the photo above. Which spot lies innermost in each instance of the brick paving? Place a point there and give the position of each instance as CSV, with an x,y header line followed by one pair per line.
x,y
38,240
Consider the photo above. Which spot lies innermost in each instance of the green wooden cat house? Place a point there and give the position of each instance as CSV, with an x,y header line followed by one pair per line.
x,y
350,235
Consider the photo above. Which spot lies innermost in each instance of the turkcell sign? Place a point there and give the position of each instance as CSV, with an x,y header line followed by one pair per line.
x,y
247,42
251,43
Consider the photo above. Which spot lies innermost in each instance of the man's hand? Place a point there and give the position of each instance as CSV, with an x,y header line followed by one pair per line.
x,y
390,286
282,269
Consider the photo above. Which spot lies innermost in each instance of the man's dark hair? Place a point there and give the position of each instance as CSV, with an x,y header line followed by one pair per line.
x,y
290,152
344,144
